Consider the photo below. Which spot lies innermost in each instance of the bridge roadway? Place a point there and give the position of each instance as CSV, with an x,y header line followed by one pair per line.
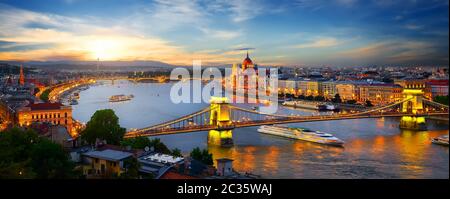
x,y
287,120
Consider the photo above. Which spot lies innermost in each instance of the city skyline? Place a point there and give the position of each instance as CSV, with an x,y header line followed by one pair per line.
x,y
302,32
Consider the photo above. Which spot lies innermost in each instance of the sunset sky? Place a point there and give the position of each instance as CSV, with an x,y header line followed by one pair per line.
x,y
282,32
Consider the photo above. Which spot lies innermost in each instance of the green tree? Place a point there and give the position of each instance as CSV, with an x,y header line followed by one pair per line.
x,y
319,98
159,146
441,99
337,99
137,142
15,147
23,154
369,103
50,161
131,166
351,102
301,97
177,152
44,95
202,155
104,125
207,157
309,97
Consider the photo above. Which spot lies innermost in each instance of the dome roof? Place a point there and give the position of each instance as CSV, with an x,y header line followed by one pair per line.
x,y
247,61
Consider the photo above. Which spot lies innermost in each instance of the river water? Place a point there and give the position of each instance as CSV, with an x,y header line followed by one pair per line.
x,y
374,148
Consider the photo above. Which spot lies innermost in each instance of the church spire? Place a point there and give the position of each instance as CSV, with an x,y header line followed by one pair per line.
x,y
21,78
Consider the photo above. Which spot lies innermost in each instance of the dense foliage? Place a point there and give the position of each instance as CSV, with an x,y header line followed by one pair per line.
x,y
351,101
337,99
44,95
103,125
441,99
156,144
202,155
25,155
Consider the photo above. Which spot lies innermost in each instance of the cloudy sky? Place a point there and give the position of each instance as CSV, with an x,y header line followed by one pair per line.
x,y
281,32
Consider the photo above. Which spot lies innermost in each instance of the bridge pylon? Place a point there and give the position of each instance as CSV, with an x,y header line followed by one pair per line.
x,y
220,117
414,105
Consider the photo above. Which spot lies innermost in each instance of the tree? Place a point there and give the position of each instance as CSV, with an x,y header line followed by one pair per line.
x,y
369,103
137,142
301,97
319,98
44,95
351,101
202,155
23,154
142,142
176,152
104,125
309,97
50,161
131,166
337,99
207,157
159,146
15,147
441,99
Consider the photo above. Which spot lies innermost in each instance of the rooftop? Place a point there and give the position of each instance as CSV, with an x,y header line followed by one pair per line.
x,y
224,160
108,154
45,106
162,158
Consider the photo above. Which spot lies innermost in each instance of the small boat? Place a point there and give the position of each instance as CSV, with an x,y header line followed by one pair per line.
x,y
301,134
73,102
120,98
76,95
442,140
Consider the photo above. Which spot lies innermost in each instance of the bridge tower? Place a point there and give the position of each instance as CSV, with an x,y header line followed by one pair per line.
x,y
413,106
220,117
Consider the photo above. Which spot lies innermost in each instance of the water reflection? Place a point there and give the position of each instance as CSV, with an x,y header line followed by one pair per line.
x,y
374,148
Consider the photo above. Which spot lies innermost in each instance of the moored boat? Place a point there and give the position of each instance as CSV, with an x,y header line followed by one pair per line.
x,y
442,140
120,98
73,102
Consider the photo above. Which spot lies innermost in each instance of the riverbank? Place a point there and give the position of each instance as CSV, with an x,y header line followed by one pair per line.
x,y
375,148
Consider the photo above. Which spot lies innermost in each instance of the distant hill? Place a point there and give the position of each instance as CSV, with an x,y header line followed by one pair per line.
x,y
92,65
105,65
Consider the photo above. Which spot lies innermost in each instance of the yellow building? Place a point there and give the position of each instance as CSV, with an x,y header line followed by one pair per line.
x,y
380,93
328,89
308,87
346,91
55,113
105,163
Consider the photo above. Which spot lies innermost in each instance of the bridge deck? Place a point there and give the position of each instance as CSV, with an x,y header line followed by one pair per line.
x,y
189,129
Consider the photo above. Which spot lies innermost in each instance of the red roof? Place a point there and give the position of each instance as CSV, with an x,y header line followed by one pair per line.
x,y
380,84
45,106
438,82
170,175
247,62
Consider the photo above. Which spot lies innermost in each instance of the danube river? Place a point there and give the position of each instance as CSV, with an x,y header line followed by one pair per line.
x,y
374,148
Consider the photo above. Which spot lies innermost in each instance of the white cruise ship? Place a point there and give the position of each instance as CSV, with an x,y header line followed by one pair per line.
x,y
301,134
